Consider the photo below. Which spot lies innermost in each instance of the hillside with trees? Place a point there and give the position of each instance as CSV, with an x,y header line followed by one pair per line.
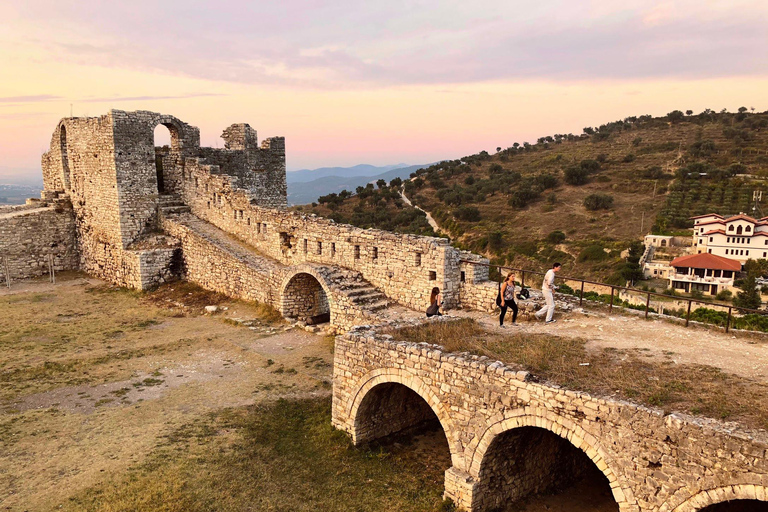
x,y
580,199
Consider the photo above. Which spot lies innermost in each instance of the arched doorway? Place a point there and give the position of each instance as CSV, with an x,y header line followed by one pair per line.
x,y
394,417
166,143
532,462
738,506
64,157
305,299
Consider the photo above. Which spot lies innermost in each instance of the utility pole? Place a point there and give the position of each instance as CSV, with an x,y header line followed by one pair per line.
x,y
642,222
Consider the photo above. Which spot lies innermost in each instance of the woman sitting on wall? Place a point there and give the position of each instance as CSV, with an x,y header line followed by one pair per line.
x,y
435,301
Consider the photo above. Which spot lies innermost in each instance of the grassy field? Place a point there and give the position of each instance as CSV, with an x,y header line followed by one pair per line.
x,y
281,456
696,389
117,400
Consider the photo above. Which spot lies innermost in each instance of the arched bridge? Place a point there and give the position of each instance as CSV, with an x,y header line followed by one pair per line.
x,y
510,438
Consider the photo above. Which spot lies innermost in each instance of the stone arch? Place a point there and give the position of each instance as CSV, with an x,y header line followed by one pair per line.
x,y
167,160
317,299
65,173
714,496
562,427
385,376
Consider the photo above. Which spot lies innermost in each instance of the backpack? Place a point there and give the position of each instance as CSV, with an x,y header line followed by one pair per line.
x,y
523,294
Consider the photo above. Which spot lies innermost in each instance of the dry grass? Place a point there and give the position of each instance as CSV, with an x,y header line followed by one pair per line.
x,y
630,374
283,456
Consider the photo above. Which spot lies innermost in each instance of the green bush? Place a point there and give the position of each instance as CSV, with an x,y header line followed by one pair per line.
x,y
592,252
628,158
576,176
555,237
467,213
598,201
724,295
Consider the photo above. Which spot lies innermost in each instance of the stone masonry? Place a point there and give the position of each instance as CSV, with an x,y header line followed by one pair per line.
x,y
146,214
510,437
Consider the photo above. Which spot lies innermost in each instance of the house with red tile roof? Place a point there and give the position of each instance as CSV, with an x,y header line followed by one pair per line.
x,y
704,272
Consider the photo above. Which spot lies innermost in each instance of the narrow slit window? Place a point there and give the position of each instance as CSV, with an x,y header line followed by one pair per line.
x,y
249,221
264,228
417,259
306,243
375,254
463,277
319,247
357,252
333,249
432,275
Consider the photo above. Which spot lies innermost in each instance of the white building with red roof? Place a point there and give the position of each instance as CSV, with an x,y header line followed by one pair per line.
x,y
704,272
739,237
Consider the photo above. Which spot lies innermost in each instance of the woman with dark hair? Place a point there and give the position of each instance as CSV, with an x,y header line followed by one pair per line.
x,y
508,299
435,301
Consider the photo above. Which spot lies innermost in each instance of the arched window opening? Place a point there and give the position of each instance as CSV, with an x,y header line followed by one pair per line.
x,y
166,142
305,299
398,420
738,506
528,462
739,230
64,158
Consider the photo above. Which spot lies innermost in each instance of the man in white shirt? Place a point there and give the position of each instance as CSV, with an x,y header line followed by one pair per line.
x,y
547,289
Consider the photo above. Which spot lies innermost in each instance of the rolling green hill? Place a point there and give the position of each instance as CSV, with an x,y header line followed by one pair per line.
x,y
558,199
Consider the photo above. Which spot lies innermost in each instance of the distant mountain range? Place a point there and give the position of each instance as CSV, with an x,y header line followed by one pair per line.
x,y
16,185
307,185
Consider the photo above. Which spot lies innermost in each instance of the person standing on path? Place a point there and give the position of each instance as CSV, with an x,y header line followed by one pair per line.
x,y
547,290
508,299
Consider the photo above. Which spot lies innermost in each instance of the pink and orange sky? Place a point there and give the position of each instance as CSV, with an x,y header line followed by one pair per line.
x,y
351,82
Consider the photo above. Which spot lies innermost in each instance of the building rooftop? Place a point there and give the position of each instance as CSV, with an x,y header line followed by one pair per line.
x,y
708,261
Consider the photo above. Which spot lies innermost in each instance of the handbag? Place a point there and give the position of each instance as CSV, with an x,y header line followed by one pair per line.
x,y
498,297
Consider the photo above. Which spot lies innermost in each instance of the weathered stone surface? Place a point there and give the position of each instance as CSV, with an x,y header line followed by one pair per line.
x,y
496,423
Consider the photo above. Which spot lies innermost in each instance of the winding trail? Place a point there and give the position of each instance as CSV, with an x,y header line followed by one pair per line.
x,y
430,219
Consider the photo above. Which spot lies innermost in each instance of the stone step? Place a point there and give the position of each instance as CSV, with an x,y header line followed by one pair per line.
x,y
377,306
361,290
171,210
369,297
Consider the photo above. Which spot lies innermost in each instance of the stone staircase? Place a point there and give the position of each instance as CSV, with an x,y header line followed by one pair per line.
x,y
360,292
355,297
171,204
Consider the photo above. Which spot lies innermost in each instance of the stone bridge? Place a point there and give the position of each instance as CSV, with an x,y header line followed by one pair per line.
x,y
509,437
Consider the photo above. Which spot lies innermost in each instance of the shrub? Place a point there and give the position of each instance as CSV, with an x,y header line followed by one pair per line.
x,y
496,240
467,213
527,248
545,181
628,158
555,237
592,252
598,201
469,180
724,295
576,176
637,141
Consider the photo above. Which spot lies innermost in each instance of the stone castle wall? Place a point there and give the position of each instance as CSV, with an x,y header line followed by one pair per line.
x,y
652,461
404,267
29,236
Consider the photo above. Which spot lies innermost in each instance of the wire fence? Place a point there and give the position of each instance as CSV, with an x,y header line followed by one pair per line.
x,y
6,269
612,301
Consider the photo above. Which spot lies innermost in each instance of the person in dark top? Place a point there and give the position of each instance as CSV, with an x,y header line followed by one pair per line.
x,y
435,301
508,299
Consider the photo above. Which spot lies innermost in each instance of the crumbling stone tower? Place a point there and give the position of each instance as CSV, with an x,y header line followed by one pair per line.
x,y
115,178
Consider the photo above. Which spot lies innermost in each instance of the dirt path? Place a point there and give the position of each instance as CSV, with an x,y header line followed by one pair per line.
x,y
742,354
430,219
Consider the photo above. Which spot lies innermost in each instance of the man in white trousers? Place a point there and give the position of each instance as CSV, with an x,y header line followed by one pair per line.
x,y
547,289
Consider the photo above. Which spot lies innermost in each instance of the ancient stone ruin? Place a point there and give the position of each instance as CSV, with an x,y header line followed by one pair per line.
x,y
137,215
121,209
